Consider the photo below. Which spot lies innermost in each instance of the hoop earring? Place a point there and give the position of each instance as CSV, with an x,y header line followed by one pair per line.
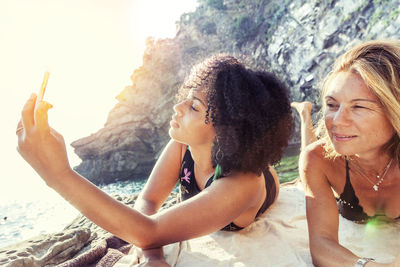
x,y
219,155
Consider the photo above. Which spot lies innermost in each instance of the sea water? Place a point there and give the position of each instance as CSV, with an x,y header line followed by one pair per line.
x,y
26,218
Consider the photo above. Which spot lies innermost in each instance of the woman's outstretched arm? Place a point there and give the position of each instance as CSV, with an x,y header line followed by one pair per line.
x,y
44,149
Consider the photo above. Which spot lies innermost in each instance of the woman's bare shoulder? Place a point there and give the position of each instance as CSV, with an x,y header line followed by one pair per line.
x,y
314,151
240,177
242,181
314,165
313,162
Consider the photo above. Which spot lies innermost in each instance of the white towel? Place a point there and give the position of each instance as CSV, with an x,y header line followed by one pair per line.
x,y
277,238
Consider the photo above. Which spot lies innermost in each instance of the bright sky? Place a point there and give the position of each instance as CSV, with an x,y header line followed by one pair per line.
x,y
89,47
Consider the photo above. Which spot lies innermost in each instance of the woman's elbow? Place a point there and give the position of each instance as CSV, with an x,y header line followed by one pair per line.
x,y
318,250
314,259
148,243
146,238
314,256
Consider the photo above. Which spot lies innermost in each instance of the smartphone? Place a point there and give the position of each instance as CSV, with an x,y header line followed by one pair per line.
x,y
43,88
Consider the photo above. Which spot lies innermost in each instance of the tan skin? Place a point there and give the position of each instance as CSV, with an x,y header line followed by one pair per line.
x,y
306,125
358,129
236,198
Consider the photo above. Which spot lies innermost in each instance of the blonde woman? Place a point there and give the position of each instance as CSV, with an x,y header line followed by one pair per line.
x,y
353,169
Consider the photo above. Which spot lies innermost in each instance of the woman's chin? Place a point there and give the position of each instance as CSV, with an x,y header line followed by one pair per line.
x,y
344,151
174,135
171,133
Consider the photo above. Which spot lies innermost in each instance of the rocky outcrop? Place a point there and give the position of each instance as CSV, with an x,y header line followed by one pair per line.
x,y
79,237
45,250
298,40
136,128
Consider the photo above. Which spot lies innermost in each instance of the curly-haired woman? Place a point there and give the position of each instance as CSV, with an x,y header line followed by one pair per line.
x,y
232,125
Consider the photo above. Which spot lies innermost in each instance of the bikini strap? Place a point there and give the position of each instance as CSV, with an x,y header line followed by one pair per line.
x,y
348,190
209,182
347,171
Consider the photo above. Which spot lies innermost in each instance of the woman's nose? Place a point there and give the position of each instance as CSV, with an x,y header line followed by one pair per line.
x,y
178,108
341,117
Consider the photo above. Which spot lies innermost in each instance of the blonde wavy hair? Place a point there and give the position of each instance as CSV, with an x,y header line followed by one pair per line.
x,y
378,64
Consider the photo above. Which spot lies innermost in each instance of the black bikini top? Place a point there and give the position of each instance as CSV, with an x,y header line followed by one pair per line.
x,y
348,203
189,187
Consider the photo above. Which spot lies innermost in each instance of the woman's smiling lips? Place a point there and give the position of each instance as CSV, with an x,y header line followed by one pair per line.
x,y
343,137
173,123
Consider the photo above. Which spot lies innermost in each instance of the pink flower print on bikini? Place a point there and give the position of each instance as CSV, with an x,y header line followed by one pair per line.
x,y
186,177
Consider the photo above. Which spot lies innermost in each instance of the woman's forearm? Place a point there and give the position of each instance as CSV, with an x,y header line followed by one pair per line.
x,y
149,208
307,132
103,210
329,253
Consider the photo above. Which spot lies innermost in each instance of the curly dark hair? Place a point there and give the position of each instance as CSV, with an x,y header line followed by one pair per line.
x,y
250,111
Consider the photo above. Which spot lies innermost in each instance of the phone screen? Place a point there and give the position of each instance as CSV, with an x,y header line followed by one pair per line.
x,y
43,88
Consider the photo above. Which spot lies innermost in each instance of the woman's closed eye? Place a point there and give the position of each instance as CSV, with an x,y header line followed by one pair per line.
x,y
195,105
193,108
366,107
359,107
332,105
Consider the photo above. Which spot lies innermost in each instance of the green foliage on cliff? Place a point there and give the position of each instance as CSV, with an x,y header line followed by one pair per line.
x,y
386,11
217,4
273,19
243,28
239,21
209,27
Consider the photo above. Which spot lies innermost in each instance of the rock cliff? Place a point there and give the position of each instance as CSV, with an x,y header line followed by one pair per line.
x,y
298,40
